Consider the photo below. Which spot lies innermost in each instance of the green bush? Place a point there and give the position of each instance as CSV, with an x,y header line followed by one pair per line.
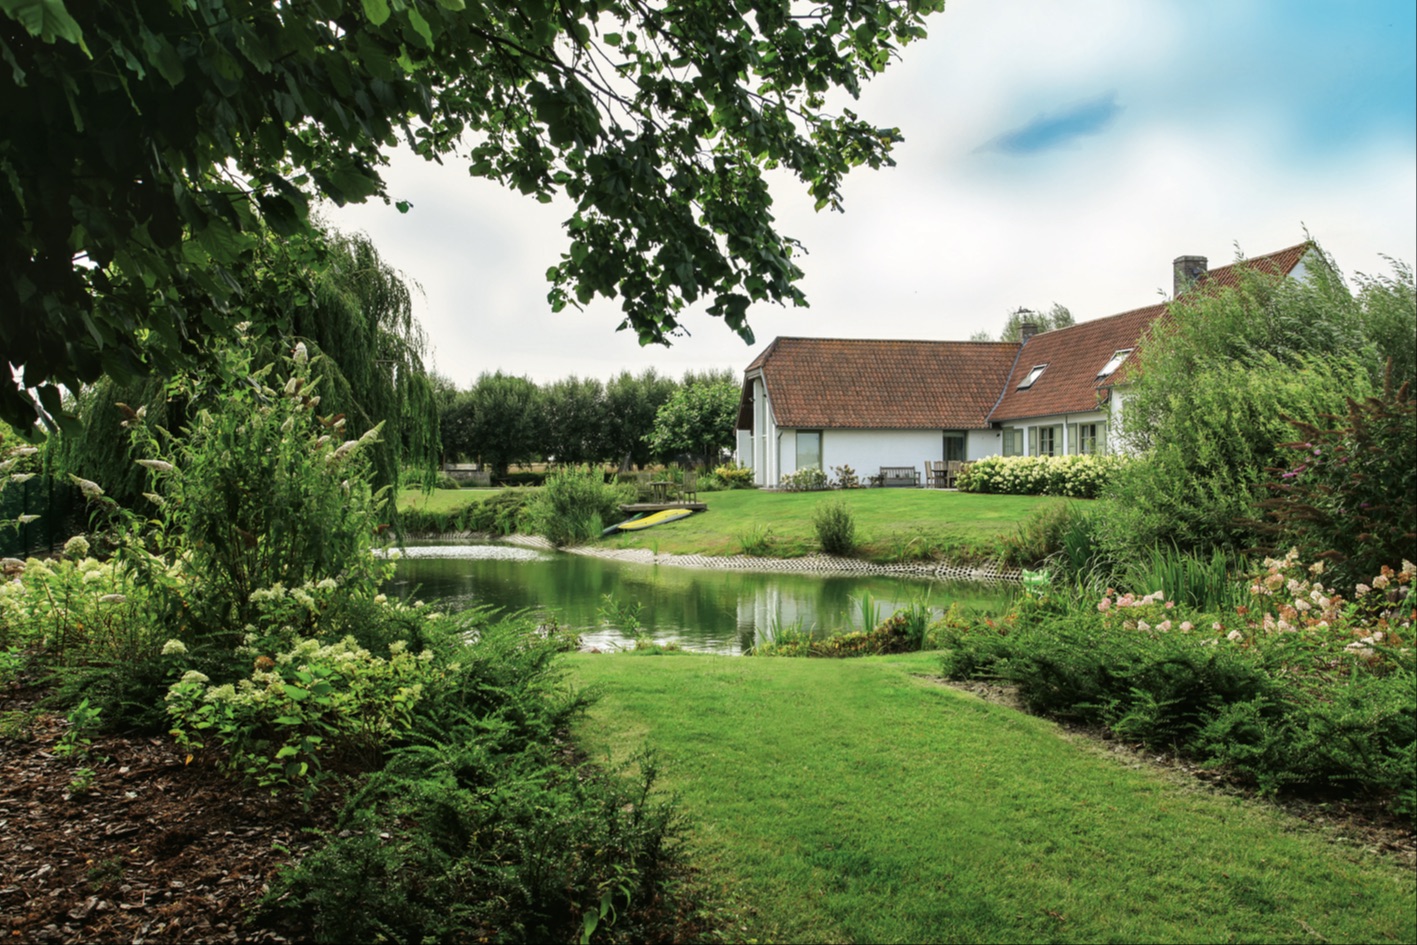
x,y
809,479
575,505
1347,494
1076,477
734,476
835,526
478,827
1297,689
1048,533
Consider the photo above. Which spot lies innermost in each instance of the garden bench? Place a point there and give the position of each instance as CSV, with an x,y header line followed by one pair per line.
x,y
898,476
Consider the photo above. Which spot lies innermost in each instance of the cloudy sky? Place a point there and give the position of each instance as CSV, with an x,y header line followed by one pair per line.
x,y
1054,153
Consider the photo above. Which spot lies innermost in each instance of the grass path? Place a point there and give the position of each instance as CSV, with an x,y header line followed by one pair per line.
x,y
853,801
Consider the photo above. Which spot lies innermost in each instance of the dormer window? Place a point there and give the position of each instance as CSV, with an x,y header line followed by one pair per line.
x,y
1115,363
1033,375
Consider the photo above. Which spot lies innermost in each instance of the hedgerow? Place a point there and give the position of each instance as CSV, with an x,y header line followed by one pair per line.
x,y
1077,477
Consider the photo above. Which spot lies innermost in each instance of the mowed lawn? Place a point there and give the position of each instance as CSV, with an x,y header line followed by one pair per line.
x,y
857,801
892,524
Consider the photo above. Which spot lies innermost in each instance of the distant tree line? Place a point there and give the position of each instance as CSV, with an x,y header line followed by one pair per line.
x,y
632,420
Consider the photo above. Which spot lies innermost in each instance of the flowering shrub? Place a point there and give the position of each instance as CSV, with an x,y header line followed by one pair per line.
x,y
299,705
1297,688
1078,477
809,479
76,608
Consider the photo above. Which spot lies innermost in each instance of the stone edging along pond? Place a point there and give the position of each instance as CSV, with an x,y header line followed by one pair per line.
x,y
809,564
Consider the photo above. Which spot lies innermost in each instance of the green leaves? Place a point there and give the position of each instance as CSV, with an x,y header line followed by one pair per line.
x,y
46,19
656,121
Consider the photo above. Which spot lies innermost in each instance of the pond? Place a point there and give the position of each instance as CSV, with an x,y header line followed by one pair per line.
x,y
701,610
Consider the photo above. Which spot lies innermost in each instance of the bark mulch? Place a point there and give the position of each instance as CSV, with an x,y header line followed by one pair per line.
x,y
153,849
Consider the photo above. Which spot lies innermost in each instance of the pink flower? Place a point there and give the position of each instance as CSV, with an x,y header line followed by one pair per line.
x,y
1186,626
1104,605
1362,589
1234,635
1164,626
1143,625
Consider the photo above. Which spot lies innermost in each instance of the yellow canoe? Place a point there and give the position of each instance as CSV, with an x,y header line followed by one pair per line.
x,y
651,520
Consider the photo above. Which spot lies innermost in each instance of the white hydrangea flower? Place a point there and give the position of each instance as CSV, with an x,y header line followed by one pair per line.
x,y
174,648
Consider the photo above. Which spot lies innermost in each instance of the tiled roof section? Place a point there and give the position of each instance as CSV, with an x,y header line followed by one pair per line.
x,y
1280,263
848,384
1074,355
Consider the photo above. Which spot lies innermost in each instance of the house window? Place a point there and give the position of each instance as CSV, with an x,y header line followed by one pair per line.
x,y
809,448
1087,438
1013,441
1117,358
1033,375
954,447
1045,441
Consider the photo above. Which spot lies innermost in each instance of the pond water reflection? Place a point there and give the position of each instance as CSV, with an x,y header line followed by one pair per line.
x,y
703,610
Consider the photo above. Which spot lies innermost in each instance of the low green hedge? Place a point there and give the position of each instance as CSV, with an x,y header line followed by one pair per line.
x,y
1077,477
1297,691
500,513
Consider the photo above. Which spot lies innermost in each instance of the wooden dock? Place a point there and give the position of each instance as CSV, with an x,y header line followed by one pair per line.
x,y
635,507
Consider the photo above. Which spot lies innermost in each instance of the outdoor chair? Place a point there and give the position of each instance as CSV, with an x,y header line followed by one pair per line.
x,y
689,490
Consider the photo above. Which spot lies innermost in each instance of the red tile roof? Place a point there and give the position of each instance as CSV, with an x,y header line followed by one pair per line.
x,y
845,384
835,383
1075,354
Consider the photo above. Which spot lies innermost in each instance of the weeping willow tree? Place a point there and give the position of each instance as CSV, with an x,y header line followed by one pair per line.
x,y
354,314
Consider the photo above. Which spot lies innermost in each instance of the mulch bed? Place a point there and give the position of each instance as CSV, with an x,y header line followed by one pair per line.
x,y
154,850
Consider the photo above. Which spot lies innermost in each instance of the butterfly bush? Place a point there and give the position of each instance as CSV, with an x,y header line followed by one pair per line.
x,y
1078,477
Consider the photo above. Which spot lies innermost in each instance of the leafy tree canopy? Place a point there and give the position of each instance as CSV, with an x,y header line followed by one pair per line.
x,y
144,147
698,420
1056,317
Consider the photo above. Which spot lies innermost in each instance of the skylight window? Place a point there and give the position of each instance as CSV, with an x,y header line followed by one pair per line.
x,y
1033,375
1115,363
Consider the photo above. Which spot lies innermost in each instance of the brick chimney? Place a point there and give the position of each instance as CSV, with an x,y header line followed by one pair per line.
x,y
1027,330
1186,272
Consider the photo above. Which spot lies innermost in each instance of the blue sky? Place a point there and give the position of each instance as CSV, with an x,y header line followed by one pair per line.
x,y
1054,153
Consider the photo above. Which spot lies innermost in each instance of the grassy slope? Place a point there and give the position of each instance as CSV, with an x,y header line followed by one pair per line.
x,y
851,800
887,520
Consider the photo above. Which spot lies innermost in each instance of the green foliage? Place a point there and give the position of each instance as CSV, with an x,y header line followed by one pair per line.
x,y
756,540
573,418
477,826
575,505
258,491
498,421
498,513
300,706
1198,485
366,355
835,526
734,476
846,477
1349,493
1216,382
1207,583
1077,477
199,126
1294,689
632,401
1046,533
698,420
806,479
903,632
1058,316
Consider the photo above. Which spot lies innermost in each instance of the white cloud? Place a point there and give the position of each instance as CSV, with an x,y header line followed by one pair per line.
x,y
1205,153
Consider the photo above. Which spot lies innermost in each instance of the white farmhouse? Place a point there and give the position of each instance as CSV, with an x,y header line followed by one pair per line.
x,y
871,404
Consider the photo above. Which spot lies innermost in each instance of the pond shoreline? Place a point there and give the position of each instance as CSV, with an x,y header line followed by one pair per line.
x,y
809,564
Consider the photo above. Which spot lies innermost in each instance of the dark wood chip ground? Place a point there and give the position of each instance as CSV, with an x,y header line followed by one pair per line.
x,y
154,850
